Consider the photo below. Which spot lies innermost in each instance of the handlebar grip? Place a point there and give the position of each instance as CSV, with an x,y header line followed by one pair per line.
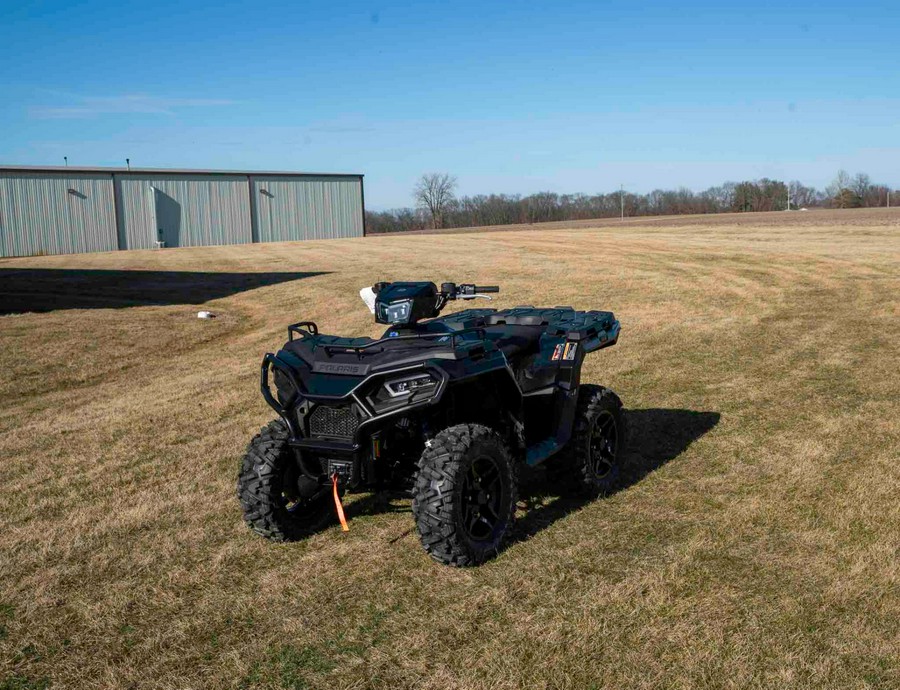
x,y
487,288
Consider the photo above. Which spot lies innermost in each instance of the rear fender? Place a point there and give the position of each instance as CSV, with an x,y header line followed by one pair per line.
x,y
577,344
568,380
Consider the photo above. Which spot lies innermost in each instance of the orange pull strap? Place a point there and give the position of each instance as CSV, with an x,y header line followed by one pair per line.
x,y
337,503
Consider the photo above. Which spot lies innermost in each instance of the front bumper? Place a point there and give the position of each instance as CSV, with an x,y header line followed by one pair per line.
x,y
340,424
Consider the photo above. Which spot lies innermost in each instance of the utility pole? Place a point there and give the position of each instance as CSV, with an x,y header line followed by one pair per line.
x,y
889,197
622,199
789,196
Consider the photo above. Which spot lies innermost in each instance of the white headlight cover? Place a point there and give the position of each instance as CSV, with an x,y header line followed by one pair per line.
x,y
410,384
368,296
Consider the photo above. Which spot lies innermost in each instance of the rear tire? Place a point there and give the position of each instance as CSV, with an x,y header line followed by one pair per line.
x,y
593,458
464,500
268,492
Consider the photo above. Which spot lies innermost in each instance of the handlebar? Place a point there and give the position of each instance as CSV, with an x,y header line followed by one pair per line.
x,y
466,290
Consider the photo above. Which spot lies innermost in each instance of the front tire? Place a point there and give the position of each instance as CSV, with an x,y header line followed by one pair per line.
x,y
464,500
269,489
593,458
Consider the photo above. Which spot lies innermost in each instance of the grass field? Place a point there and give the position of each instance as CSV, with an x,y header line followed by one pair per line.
x,y
756,543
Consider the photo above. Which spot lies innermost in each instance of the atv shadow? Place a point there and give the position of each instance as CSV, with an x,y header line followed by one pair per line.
x,y
48,289
656,437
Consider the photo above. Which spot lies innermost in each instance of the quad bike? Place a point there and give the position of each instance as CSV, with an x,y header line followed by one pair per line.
x,y
445,407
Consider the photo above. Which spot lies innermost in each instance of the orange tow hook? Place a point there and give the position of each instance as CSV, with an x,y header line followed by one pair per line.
x,y
337,503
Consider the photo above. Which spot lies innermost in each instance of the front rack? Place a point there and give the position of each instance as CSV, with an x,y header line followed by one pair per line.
x,y
306,329
453,336
302,328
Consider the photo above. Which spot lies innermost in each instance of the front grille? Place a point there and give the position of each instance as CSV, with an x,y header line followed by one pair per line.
x,y
335,422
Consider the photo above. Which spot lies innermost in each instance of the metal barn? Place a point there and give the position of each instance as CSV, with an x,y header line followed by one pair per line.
x,y
72,210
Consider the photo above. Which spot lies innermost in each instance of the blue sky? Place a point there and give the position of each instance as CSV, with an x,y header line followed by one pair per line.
x,y
509,97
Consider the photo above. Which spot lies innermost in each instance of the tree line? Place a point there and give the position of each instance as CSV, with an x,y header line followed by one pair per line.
x,y
437,206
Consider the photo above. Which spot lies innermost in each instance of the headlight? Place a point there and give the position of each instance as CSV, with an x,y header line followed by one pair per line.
x,y
396,312
409,385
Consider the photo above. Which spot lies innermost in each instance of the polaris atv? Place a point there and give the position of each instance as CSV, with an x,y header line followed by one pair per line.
x,y
445,407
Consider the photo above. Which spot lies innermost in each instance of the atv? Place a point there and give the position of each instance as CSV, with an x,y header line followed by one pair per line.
x,y
446,408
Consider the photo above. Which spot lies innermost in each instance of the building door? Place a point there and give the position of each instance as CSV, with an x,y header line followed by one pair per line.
x,y
167,214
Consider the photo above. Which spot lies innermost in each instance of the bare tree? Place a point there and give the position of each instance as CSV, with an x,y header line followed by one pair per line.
x,y
876,195
861,185
434,192
802,196
839,190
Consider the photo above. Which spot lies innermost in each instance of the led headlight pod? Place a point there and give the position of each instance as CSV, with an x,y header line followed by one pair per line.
x,y
409,385
396,312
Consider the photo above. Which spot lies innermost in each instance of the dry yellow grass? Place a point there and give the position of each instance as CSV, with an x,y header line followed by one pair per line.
x,y
764,554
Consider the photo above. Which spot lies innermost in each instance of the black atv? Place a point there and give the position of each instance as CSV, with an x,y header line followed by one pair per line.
x,y
446,408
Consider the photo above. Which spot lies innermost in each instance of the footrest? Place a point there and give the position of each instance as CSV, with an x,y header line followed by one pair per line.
x,y
541,450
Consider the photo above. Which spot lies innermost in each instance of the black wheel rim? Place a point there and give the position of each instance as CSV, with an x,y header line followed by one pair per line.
x,y
482,498
603,445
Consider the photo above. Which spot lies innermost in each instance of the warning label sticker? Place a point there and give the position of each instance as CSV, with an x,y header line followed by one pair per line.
x,y
569,353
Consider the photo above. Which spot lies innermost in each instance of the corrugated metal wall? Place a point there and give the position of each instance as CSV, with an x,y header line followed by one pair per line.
x,y
55,211
183,210
290,208
56,214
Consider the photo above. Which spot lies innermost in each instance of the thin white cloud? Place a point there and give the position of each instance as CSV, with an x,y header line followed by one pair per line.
x,y
82,107
340,129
